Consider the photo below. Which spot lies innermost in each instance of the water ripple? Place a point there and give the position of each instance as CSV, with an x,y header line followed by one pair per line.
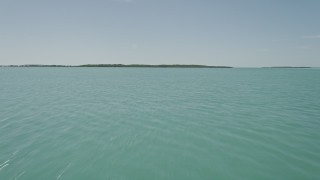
x,y
91,123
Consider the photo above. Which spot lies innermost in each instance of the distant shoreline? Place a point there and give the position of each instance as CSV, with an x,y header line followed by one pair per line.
x,y
123,65
154,66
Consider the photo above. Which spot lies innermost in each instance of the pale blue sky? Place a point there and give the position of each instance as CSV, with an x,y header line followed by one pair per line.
x,y
241,33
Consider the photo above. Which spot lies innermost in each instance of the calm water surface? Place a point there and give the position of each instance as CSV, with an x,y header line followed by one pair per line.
x,y
154,123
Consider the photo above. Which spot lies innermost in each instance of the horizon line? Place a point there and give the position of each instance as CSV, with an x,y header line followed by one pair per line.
x,y
149,65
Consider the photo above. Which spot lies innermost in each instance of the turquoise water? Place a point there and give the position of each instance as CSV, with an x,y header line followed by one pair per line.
x,y
159,123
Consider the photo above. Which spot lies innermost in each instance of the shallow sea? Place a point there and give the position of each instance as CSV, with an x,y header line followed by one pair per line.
x,y
159,123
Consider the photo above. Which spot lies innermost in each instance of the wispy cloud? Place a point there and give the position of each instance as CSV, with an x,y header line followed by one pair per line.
x,y
311,37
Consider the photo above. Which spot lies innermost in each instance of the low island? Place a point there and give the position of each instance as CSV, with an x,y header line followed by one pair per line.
x,y
123,65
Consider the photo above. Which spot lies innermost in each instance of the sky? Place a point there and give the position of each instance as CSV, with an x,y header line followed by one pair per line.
x,y
246,33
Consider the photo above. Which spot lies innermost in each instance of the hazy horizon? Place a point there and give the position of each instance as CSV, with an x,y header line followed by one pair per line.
x,y
76,65
214,33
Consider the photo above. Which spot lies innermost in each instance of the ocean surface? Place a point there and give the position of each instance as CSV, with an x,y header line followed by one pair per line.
x,y
159,123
